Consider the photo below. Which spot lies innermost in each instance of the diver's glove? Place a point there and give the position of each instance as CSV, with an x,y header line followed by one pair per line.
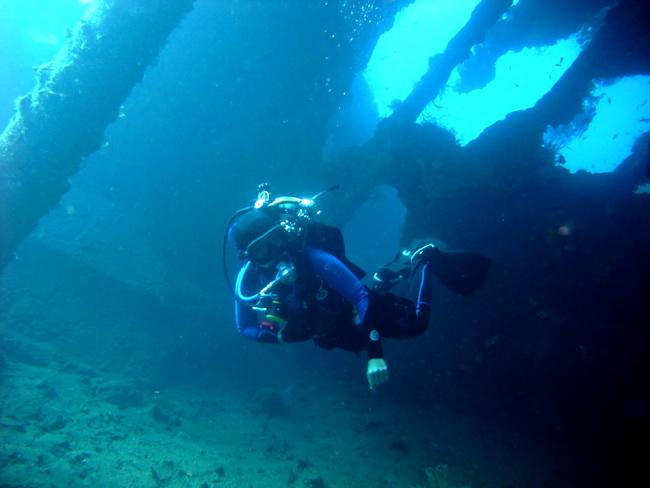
x,y
377,372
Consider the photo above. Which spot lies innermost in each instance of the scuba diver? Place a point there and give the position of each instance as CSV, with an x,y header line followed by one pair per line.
x,y
295,282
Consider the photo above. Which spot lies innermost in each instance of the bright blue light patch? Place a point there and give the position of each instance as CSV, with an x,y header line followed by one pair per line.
x,y
41,38
521,79
401,56
603,135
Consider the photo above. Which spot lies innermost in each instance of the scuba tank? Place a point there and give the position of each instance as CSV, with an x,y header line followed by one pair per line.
x,y
286,217
290,221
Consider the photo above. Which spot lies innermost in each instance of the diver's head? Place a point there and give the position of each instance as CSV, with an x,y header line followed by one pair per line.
x,y
259,238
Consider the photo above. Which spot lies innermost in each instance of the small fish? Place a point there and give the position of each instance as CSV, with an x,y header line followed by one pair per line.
x,y
615,136
561,159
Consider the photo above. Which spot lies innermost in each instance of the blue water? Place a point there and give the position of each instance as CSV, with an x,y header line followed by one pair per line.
x,y
524,138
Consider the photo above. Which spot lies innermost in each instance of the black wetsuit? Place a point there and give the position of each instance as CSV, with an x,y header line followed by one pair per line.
x,y
328,303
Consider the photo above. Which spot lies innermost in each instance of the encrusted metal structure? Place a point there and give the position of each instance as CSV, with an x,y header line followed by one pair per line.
x,y
77,95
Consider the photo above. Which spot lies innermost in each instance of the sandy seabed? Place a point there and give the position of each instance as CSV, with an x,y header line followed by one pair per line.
x,y
75,426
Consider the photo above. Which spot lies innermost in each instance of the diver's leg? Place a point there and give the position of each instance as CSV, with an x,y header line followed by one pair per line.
x,y
425,297
401,318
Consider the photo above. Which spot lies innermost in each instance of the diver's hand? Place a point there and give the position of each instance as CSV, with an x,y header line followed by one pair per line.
x,y
377,372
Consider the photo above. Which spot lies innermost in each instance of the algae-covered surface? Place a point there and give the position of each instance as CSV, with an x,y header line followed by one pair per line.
x,y
104,383
75,426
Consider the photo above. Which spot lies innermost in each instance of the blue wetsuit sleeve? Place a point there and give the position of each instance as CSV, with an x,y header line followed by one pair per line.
x,y
246,320
340,278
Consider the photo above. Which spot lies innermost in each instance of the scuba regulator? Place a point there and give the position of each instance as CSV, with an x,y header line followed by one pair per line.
x,y
269,304
285,220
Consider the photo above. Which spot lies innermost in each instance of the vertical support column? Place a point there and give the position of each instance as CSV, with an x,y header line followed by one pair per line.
x,y
77,95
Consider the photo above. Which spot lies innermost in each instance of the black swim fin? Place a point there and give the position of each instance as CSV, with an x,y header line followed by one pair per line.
x,y
461,271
